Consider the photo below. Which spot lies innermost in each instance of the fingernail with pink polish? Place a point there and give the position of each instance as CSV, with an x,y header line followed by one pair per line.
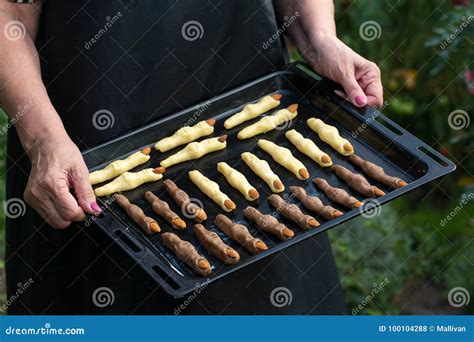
x,y
360,100
95,207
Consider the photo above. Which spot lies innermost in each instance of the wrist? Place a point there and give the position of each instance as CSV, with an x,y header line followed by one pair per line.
x,y
39,129
46,140
320,36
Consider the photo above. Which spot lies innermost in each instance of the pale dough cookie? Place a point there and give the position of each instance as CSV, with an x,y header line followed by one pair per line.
x,y
269,122
196,150
118,167
238,181
330,135
252,110
308,147
211,190
261,168
130,180
285,158
185,135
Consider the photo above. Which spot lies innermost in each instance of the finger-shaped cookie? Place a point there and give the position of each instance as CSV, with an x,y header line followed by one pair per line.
x,y
186,135
262,169
148,224
182,199
130,180
308,147
214,245
187,253
377,173
196,150
240,234
337,195
116,168
285,158
330,135
357,182
314,204
268,224
238,181
252,110
162,209
270,122
292,212
211,189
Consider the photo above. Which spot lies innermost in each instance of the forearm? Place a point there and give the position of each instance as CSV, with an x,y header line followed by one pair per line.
x,y
22,92
315,17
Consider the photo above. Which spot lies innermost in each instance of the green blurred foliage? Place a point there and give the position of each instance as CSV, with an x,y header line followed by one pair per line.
x,y
424,81
423,75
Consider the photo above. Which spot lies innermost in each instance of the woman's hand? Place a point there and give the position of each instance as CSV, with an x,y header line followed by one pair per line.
x,y
359,77
314,34
58,166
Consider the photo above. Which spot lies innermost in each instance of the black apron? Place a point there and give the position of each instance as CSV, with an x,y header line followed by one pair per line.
x,y
143,60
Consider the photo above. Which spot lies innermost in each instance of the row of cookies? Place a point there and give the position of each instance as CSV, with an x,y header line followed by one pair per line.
x,y
281,155
195,150
327,133
124,180
187,253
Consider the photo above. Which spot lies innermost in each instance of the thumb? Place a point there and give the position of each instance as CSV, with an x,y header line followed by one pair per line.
x,y
84,193
354,91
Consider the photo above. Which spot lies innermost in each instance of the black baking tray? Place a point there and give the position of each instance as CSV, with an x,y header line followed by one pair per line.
x,y
375,138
